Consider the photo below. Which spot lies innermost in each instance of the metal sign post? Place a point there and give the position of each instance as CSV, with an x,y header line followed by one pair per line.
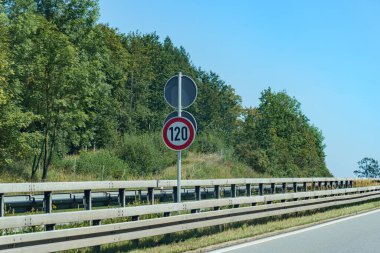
x,y
179,132
179,153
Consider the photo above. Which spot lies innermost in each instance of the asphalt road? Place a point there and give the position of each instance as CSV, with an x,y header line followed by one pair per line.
x,y
356,234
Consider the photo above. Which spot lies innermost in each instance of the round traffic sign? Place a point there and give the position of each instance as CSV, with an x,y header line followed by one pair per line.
x,y
189,91
178,133
184,114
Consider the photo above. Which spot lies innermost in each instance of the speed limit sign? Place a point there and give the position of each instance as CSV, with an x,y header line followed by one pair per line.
x,y
179,130
178,133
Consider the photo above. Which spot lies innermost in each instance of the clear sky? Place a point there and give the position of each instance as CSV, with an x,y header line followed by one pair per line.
x,y
324,53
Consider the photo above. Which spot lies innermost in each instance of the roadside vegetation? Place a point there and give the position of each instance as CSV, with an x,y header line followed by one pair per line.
x,y
81,101
103,165
78,98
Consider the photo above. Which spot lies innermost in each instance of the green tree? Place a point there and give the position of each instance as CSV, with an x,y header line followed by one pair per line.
x,y
368,168
108,62
217,107
276,138
75,84
49,81
15,143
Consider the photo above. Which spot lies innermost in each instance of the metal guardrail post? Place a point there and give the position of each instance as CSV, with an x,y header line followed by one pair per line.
x,y
198,193
87,200
346,184
150,195
313,186
261,189
96,222
217,191
135,242
97,248
48,202
139,195
175,192
272,188
331,184
2,206
283,187
233,190
217,195
326,185
48,208
319,185
295,187
248,189
233,193
304,186
122,197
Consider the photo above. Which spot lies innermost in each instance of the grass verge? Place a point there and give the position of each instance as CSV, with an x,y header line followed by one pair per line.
x,y
195,240
100,165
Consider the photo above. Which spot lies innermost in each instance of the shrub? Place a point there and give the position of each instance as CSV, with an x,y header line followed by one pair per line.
x,y
103,163
145,154
208,143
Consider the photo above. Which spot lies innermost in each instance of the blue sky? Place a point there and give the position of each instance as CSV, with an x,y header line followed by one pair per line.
x,y
324,53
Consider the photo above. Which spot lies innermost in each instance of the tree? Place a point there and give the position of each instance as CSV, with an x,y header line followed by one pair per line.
x,y
50,81
73,83
15,143
217,107
276,138
368,168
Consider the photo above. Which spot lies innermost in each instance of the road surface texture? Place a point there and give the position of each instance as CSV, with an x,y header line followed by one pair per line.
x,y
355,234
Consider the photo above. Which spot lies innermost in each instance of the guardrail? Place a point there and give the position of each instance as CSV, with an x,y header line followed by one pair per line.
x,y
197,214
49,188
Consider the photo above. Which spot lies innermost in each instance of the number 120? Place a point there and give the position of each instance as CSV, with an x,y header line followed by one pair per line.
x,y
178,132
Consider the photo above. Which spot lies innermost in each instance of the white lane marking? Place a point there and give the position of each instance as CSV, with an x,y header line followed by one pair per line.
x,y
228,249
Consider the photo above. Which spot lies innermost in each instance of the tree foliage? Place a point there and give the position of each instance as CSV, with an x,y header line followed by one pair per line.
x,y
368,168
69,83
15,142
276,138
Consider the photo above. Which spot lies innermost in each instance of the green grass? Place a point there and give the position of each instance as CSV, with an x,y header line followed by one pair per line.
x,y
210,166
199,238
101,165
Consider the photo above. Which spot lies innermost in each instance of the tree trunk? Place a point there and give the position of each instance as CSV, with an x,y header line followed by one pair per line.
x,y
51,153
45,169
36,163
33,175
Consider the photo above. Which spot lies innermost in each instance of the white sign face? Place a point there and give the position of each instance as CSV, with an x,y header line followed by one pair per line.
x,y
178,133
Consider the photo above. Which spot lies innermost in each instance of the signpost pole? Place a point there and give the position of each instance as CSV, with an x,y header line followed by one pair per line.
x,y
179,131
179,154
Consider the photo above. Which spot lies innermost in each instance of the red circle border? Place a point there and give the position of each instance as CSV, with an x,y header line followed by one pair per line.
x,y
187,143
